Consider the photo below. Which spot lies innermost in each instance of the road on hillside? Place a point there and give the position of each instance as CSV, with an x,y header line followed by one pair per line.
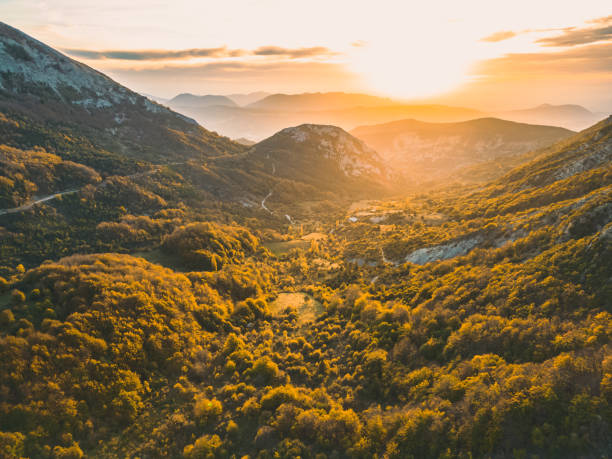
x,y
31,204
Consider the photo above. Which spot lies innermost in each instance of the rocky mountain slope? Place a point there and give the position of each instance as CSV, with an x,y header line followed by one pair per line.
x,y
48,88
297,164
315,149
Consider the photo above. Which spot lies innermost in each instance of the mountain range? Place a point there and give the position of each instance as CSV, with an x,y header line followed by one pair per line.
x,y
267,114
42,87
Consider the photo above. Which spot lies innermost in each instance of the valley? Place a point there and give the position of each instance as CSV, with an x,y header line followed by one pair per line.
x,y
431,288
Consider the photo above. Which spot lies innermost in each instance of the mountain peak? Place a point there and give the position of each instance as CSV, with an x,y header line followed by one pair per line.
x,y
305,131
328,143
46,86
29,66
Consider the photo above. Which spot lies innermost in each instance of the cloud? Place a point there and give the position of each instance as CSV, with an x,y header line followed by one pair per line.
x,y
154,54
499,36
572,36
359,44
184,54
581,74
592,59
290,75
293,53
230,69
604,20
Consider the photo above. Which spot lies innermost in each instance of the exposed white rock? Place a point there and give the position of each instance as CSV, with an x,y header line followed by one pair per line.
x,y
443,251
600,154
352,155
26,60
378,219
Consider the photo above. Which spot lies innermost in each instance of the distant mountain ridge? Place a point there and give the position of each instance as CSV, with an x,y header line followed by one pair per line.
x,y
319,101
246,99
427,151
268,116
191,100
570,116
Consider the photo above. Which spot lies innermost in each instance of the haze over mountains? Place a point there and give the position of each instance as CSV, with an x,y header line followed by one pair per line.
x,y
573,117
191,101
431,151
168,292
271,113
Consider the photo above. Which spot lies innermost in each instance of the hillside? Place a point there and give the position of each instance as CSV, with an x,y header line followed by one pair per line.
x,y
53,92
471,315
296,166
433,151
313,151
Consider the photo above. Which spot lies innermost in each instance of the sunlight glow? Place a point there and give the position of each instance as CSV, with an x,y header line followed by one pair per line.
x,y
412,72
405,50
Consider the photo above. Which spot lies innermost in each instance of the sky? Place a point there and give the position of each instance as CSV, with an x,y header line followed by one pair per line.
x,y
483,54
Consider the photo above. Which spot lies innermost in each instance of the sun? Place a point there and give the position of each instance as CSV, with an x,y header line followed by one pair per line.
x,y
412,71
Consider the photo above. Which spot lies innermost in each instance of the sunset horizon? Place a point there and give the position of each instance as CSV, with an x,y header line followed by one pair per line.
x,y
445,53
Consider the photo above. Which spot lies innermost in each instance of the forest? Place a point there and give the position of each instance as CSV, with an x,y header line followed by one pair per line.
x,y
142,318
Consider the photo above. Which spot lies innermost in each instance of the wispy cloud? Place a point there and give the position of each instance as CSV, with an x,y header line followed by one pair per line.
x,y
572,36
499,36
596,58
293,53
154,54
604,20
221,76
184,54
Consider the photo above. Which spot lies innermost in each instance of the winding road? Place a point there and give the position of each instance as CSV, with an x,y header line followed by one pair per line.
x,y
31,204
263,202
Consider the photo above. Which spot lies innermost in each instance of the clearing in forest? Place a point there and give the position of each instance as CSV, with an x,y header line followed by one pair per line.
x,y
304,304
